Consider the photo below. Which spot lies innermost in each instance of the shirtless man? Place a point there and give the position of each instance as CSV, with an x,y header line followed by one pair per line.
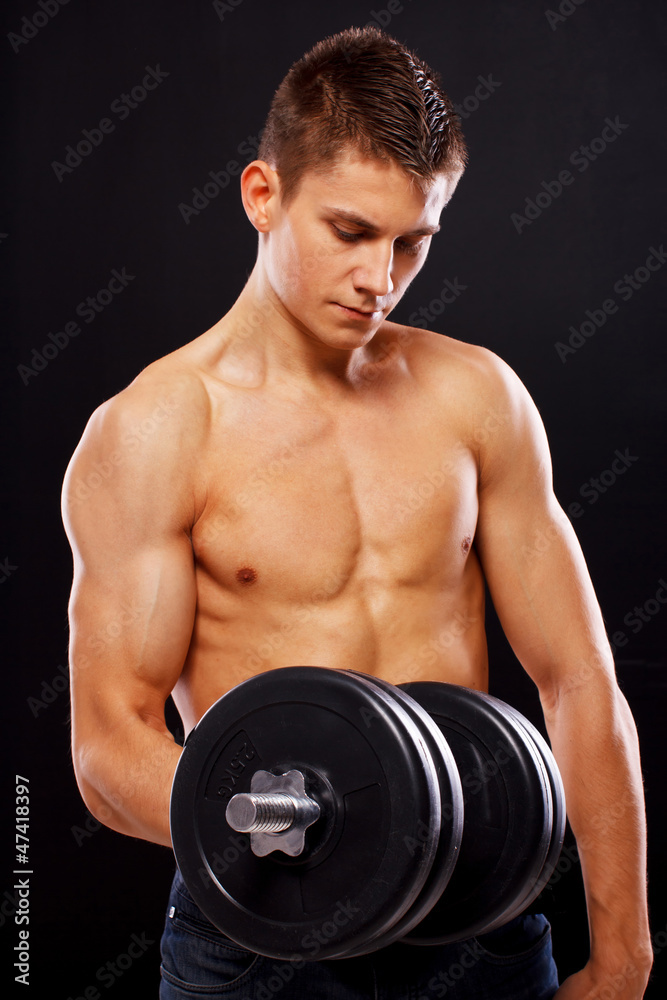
x,y
310,483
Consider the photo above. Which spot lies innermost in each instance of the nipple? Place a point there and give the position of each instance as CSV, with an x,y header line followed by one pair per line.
x,y
246,575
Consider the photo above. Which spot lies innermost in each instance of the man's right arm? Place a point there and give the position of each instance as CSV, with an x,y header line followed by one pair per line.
x,y
128,507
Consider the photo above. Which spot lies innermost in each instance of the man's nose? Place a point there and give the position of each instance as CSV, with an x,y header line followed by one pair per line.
x,y
373,274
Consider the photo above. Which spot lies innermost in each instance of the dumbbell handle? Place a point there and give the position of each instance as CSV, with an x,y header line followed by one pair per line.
x,y
268,812
276,812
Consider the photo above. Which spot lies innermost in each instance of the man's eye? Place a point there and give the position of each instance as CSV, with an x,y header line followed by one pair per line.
x,y
409,248
348,237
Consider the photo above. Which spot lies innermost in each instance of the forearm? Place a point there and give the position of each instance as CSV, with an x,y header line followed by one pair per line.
x,y
595,744
125,778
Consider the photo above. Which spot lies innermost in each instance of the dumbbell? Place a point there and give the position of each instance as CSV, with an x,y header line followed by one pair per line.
x,y
320,813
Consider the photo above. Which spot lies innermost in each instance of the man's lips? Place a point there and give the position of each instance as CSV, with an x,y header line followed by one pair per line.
x,y
360,313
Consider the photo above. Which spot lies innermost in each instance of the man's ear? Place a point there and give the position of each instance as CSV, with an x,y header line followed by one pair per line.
x,y
260,191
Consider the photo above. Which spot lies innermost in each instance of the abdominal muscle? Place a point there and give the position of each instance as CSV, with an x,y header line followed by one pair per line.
x,y
399,633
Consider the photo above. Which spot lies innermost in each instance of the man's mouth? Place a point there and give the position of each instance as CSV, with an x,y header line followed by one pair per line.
x,y
354,312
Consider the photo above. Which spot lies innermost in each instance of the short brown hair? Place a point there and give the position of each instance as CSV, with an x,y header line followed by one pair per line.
x,y
362,89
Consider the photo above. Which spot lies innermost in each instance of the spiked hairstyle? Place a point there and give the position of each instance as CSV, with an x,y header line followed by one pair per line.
x,y
361,89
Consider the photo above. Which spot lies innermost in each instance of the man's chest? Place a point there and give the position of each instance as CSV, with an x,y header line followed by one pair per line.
x,y
390,495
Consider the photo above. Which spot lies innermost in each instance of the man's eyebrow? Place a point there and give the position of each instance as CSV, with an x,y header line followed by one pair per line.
x,y
357,220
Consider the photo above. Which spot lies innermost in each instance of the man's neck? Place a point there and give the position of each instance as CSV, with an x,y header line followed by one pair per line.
x,y
260,340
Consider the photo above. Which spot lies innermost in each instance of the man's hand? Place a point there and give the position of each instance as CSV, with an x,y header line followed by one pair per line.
x,y
626,982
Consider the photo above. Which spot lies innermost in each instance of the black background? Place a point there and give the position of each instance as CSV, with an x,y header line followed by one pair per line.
x,y
555,83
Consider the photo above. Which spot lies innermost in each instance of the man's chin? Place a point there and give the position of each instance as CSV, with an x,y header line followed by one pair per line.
x,y
342,337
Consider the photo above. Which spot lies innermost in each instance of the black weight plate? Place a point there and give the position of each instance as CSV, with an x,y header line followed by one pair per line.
x,y
448,835
559,814
507,812
362,757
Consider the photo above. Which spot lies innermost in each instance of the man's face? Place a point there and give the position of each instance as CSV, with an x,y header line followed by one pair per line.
x,y
342,253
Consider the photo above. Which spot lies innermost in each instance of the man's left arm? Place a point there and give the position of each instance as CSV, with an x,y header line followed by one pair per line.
x,y
545,601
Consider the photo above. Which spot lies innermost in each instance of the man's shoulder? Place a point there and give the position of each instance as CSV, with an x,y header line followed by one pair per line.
x,y
165,404
172,383
445,358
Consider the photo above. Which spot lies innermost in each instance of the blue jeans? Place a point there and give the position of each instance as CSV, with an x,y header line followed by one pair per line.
x,y
512,963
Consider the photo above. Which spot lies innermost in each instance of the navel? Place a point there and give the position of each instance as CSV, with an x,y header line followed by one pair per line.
x,y
246,575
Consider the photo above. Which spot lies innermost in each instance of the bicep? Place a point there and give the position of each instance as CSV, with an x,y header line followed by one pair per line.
x,y
532,560
133,597
131,619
